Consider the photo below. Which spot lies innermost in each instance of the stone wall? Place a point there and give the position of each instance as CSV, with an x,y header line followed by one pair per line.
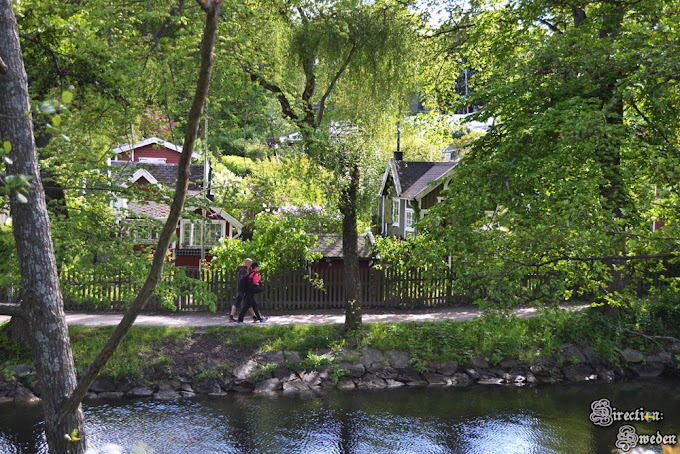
x,y
369,368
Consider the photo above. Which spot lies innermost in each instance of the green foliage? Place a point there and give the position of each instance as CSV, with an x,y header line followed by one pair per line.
x,y
263,370
563,182
492,337
138,352
336,373
280,241
9,266
12,352
315,361
73,436
497,336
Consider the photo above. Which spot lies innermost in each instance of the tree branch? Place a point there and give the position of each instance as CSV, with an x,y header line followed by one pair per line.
x,y
669,255
446,31
551,26
308,93
11,309
212,9
331,86
652,125
654,338
286,108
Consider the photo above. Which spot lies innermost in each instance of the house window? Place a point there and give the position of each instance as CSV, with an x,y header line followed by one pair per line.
x,y
149,236
190,233
148,160
144,231
395,212
408,220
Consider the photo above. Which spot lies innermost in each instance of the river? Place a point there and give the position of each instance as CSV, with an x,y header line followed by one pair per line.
x,y
471,420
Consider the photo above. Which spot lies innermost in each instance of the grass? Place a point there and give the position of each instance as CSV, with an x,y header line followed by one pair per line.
x,y
491,337
140,350
290,337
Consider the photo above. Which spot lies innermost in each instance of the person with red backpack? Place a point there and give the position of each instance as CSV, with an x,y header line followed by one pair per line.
x,y
241,271
250,285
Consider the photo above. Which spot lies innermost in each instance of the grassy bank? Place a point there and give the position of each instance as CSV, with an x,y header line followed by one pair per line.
x,y
156,353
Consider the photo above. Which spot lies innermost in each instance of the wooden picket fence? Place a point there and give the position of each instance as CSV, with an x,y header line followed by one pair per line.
x,y
311,289
283,291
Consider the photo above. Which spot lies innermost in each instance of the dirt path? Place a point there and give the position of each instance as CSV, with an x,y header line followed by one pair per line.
x,y
297,318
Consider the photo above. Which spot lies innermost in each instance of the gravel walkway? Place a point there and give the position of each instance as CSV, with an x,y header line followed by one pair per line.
x,y
290,318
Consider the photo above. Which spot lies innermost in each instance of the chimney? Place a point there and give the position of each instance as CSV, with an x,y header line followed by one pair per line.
x,y
398,155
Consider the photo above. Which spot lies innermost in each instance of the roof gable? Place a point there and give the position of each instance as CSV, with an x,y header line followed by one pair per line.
x,y
428,180
330,246
151,141
143,173
413,179
165,174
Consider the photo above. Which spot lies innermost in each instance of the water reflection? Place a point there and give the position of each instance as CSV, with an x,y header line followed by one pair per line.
x,y
476,420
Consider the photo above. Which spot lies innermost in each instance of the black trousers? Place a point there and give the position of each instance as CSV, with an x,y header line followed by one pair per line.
x,y
239,299
249,301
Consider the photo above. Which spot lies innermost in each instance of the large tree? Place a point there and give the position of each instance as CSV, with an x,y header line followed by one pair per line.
x,y
326,62
40,302
584,101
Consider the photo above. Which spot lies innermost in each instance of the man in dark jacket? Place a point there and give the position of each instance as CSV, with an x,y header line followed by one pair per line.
x,y
241,271
253,285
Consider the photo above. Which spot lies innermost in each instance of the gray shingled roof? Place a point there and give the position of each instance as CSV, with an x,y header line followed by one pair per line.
x,y
150,209
330,246
415,176
166,174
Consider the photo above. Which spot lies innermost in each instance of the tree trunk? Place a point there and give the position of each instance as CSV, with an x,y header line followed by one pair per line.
x,y
212,8
41,303
40,298
613,189
348,208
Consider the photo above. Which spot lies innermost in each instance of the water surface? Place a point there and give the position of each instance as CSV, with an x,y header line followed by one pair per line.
x,y
472,420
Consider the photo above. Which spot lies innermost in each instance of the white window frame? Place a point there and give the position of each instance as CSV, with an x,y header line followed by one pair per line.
x,y
150,160
194,232
148,237
408,226
396,211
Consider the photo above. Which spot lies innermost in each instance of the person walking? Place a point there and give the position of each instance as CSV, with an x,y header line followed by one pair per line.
x,y
253,285
241,271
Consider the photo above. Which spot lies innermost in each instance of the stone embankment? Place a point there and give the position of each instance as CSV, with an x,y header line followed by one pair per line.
x,y
369,368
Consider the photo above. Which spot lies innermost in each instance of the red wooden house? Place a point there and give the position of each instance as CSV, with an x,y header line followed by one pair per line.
x,y
152,165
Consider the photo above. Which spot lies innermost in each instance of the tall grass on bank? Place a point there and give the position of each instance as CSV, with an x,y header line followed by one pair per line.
x,y
492,337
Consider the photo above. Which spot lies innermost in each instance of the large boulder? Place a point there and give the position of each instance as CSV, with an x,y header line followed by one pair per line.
x,y
371,381
660,357
460,379
270,357
208,386
245,370
397,359
346,383
648,370
295,385
631,355
571,354
579,372
355,370
372,359
268,386
103,384
24,396
139,391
